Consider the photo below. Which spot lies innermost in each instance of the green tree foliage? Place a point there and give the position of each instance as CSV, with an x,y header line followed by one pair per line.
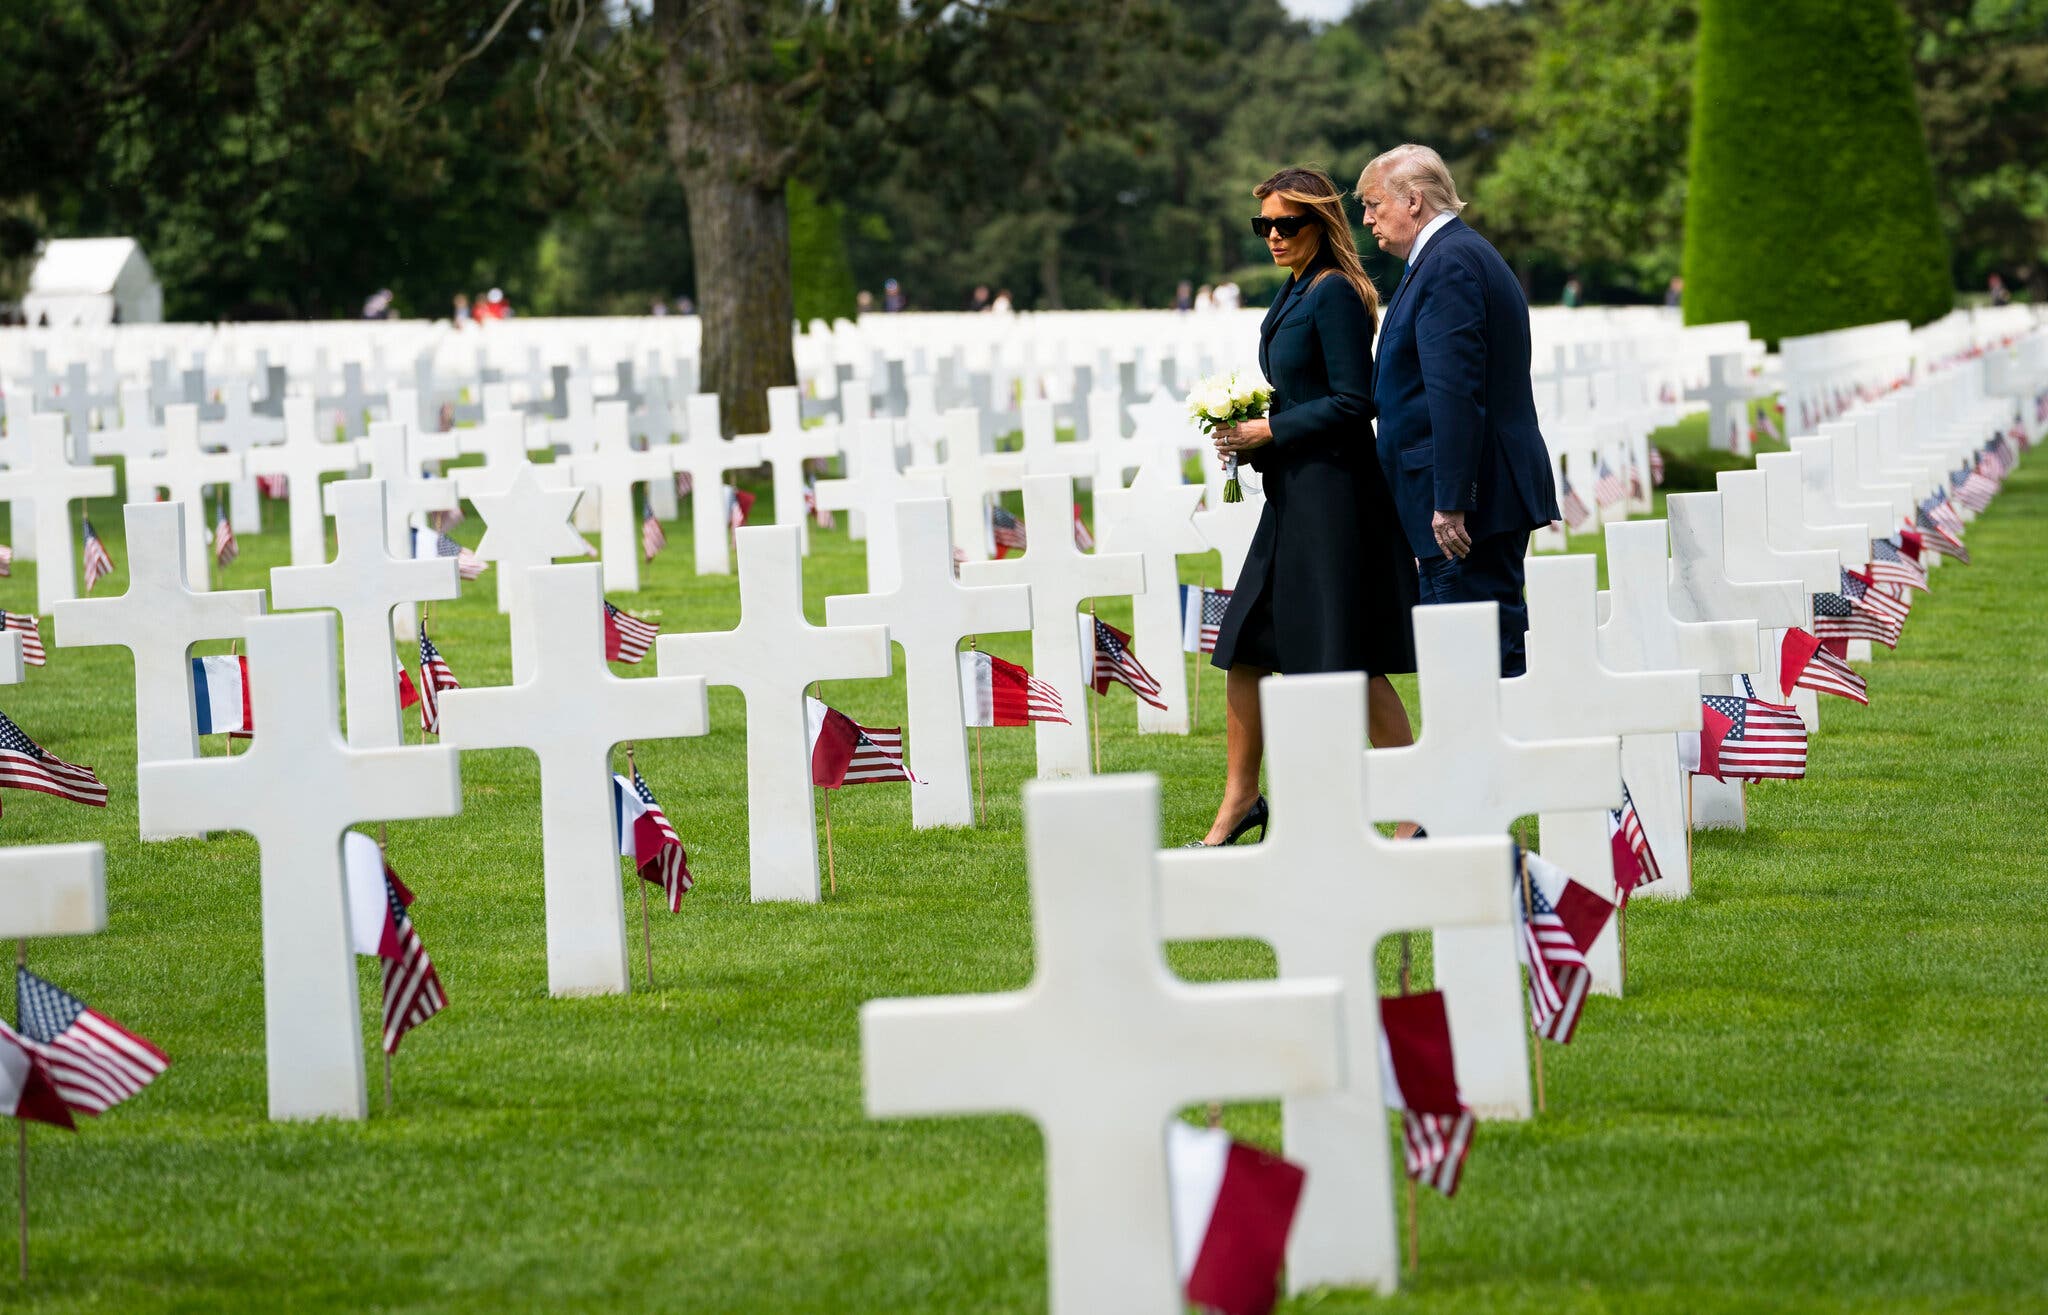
x,y
820,278
1811,204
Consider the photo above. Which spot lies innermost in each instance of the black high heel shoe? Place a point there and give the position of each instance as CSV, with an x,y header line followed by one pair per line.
x,y
1256,816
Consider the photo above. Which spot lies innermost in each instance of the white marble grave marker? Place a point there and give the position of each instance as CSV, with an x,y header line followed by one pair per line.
x,y
1466,776
296,789
1153,519
1323,889
1727,393
972,476
875,492
303,460
1228,527
570,710
772,657
240,432
613,470
705,456
786,447
526,525
1061,577
42,478
52,890
184,472
1102,1048
1044,454
929,613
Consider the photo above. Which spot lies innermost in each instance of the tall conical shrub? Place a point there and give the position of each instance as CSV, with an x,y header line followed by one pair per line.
x,y
1811,200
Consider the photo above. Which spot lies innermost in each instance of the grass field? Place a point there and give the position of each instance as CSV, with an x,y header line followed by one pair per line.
x,y
1824,1092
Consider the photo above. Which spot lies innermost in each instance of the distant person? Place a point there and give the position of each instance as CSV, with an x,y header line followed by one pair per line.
x,y
378,306
1571,292
893,299
659,308
863,302
1228,297
1205,298
2000,295
1458,437
1001,305
1674,292
980,298
1184,296
460,314
686,305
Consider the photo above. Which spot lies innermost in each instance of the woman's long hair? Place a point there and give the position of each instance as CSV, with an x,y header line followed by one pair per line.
x,y
1312,190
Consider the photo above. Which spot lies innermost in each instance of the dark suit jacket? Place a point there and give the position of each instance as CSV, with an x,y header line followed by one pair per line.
x,y
1457,409
1327,559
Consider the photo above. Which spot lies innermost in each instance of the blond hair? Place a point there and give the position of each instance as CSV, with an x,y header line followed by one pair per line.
x,y
1312,189
1410,169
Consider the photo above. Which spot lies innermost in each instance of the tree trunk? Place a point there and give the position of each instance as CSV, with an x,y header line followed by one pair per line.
x,y
727,138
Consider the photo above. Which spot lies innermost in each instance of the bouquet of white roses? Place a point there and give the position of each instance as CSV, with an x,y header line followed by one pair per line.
x,y
1223,400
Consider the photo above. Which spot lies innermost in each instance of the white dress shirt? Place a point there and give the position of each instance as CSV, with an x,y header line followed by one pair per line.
x,y
1422,239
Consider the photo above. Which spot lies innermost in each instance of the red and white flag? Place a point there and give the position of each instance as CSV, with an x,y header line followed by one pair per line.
x,y
1804,663
1114,658
31,637
1082,538
646,837
380,923
1233,1206
998,693
739,504
626,637
98,565
27,1091
408,693
1751,739
1557,920
1421,1081
435,677
844,752
1634,864
652,540
26,765
94,1061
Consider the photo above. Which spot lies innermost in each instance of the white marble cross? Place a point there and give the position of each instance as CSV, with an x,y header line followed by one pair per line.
x,y
772,657
1466,776
1861,481
1323,889
1831,496
240,431
1115,455
1793,527
527,525
972,476
786,447
1103,1047
138,434
184,472
875,491
1568,690
303,460
1061,577
1044,454
52,890
1153,519
503,439
40,476
1229,527
929,613
1643,632
612,469
157,621
1727,394
296,790
570,710
1746,534
705,457
365,582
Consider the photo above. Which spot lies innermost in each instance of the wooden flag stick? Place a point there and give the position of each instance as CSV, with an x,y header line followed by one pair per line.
x,y
831,867
1688,821
1094,718
1414,1224
383,839
1529,911
1195,704
21,1130
646,922
980,793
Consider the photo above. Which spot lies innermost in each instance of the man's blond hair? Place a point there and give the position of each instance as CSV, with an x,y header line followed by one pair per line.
x,y
1410,169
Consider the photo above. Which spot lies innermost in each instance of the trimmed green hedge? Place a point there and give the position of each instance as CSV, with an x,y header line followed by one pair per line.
x,y
1811,200
820,276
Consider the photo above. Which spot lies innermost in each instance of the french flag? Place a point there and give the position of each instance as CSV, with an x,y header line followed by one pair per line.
x,y
1233,1205
220,694
633,822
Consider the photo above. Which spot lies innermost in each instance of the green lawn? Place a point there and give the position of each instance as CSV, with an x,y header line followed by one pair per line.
x,y
1824,1092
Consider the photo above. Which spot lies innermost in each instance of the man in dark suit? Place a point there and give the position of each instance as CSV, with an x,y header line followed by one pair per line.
x,y
1457,412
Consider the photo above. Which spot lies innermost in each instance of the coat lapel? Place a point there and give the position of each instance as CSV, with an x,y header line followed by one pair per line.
x,y
1434,245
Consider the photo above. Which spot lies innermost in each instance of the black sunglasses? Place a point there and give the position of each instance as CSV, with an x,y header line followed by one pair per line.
x,y
1288,225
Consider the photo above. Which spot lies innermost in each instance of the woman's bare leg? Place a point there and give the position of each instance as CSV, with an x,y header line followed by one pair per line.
x,y
1245,736
1387,726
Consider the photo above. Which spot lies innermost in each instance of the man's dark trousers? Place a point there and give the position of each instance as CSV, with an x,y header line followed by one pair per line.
x,y
1490,573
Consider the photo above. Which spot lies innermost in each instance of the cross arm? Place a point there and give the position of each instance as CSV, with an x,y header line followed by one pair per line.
x,y
53,890
946,1055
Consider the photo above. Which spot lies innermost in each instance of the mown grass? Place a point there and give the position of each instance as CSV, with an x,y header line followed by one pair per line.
x,y
1823,1092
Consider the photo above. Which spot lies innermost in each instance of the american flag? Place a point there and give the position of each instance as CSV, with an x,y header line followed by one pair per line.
x,y
1115,660
1573,507
31,637
1764,740
1656,467
1975,488
652,540
1607,486
224,549
1635,478
626,637
657,850
822,515
684,483
434,678
738,505
94,1061
1557,920
7,557
1201,616
844,752
1805,663
97,564
1766,417
1421,1080
1891,567
26,765
1007,531
1838,616
1082,538
433,543
1884,600
412,989
1634,863
1939,538
1944,513
25,1083
273,486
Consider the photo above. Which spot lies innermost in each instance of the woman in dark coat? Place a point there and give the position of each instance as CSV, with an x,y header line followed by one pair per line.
x,y
1329,581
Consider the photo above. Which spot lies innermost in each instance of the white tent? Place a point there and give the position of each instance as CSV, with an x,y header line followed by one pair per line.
x,y
89,281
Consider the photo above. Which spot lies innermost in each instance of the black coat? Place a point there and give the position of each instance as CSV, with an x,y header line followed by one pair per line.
x,y
1456,405
1328,582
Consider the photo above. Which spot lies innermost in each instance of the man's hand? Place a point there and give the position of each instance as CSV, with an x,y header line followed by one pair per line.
x,y
1449,528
